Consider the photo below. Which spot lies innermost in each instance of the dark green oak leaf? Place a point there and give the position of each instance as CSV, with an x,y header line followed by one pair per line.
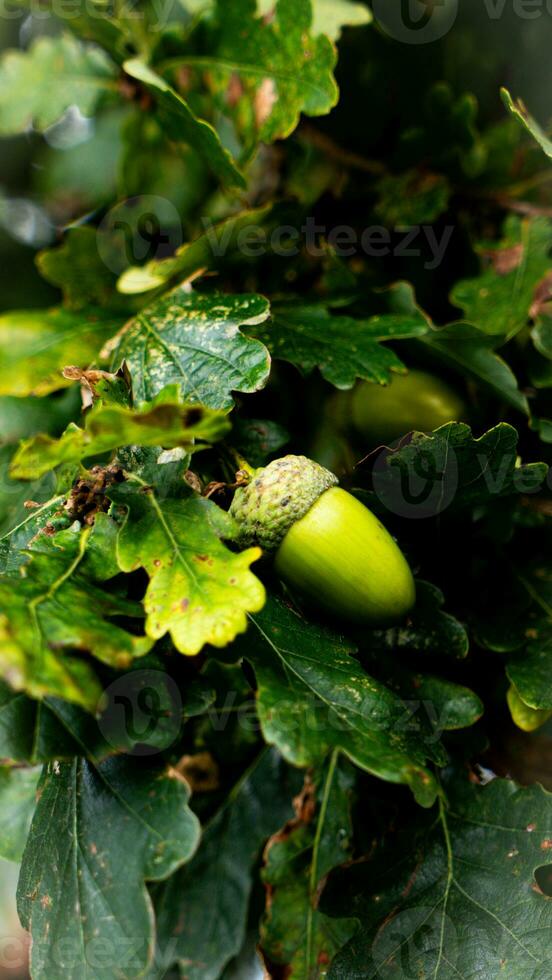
x,y
199,591
16,545
35,345
219,240
455,894
165,421
24,417
281,70
517,621
429,631
449,470
17,802
51,613
464,347
163,469
143,706
38,85
314,697
15,541
18,522
193,340
467,349
258,439
78,268
98,833
34,732
202,911
500,300
518,110
442,133
412,198
529,672
449,706
542,338
180,123
295,935
343,348
436,705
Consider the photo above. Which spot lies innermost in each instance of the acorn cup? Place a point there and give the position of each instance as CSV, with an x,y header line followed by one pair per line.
x,y
326,544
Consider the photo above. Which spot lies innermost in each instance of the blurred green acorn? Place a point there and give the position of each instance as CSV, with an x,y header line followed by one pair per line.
x,y
326,544
417,401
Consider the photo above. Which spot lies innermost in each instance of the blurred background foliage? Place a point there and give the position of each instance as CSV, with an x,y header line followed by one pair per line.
x,y
420,135
424,109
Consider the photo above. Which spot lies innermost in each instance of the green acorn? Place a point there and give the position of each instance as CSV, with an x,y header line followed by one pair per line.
x,y
417,401
326,544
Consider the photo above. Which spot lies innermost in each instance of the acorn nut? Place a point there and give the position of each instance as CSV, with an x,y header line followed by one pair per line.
x,y
326,544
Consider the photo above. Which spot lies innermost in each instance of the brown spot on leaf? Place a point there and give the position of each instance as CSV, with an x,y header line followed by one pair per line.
x,y
193,480
541,296
200,771
205,559
184,604
505,260
235,90
265,98
184,77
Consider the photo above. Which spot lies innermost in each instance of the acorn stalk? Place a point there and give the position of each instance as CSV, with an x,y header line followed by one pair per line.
x,y
326,544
